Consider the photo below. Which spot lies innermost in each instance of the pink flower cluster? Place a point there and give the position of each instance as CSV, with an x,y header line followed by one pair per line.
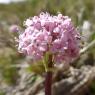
x,y
47,33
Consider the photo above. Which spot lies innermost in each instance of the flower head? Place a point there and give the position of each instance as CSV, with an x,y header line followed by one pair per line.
x,y
47,33
14,28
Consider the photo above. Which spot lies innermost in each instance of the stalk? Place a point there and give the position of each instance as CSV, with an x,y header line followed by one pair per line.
x,y
48,78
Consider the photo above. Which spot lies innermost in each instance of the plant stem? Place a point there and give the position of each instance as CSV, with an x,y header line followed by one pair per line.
x,y
48,78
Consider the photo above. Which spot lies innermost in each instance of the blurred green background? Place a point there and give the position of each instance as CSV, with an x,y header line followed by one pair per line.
x,y
82,13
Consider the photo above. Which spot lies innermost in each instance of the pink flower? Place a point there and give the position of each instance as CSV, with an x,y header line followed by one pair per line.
x,y
14,28
46,33
28,22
